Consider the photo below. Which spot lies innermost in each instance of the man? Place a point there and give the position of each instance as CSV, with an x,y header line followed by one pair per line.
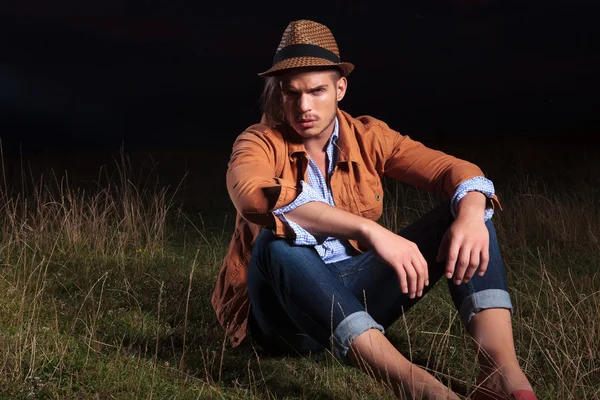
x,y
307,258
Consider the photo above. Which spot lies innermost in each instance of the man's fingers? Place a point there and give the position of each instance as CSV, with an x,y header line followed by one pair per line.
x,y
420,266
451,260
420,261
402,279
484,260
411,276
425,269
420,276
462,265
473,265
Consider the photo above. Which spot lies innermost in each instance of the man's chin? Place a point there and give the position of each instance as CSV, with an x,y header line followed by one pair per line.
x,y
307,133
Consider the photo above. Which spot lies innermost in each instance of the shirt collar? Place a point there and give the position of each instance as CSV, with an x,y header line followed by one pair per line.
x,y
336,132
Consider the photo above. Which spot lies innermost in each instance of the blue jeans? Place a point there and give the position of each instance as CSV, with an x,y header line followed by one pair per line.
x,y
300,305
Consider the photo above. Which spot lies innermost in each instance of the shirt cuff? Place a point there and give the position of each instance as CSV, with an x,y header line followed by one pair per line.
x,y
479,184
303,237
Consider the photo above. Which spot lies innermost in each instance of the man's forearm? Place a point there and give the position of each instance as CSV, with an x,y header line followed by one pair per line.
x,y
321,219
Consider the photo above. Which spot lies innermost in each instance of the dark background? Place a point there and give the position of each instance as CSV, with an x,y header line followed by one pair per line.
x,y
170,74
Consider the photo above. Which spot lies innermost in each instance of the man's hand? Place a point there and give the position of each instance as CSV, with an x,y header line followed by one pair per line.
x,y
402,255
465,245
321,219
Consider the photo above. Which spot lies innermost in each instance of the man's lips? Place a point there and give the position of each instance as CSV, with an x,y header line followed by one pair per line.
x,y
307,123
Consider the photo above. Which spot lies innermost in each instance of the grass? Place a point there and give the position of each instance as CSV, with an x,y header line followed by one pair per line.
x,y
105,293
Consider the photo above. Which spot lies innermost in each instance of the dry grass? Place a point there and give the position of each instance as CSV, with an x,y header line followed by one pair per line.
x,y
105,292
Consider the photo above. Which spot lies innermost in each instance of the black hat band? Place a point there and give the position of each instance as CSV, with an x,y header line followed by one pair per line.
x,y
305,50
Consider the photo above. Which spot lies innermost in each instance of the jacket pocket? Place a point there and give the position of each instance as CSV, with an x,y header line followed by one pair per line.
x,y
369,194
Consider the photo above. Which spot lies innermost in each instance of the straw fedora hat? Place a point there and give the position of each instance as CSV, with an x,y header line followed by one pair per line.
x,y
307,43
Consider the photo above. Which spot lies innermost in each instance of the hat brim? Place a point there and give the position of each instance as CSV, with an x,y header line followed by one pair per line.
x,y
306,62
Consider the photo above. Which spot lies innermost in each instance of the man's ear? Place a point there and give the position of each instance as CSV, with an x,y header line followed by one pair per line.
x,y
341,87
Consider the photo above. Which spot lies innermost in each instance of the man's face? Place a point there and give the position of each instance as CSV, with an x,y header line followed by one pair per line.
x,y
310,101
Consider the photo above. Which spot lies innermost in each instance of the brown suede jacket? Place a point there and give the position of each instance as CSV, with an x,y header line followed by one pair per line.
x,y
264,174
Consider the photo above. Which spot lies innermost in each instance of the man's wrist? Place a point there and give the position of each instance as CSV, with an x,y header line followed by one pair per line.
x,y
472,204
366,230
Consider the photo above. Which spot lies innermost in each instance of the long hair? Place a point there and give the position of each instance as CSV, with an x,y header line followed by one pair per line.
x,y
272,99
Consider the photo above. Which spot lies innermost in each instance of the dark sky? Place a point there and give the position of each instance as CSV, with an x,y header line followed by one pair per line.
x,y
77,74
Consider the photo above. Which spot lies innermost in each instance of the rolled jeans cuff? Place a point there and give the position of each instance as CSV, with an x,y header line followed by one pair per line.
x,y
349,329
479,301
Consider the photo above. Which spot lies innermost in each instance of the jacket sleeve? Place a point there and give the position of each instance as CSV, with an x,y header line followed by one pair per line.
x,y
412,162
479,184
252,184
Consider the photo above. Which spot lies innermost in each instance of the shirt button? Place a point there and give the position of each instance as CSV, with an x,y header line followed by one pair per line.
x,y
377,197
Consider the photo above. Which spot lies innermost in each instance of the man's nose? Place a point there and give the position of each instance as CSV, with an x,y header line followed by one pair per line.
x,y
304,103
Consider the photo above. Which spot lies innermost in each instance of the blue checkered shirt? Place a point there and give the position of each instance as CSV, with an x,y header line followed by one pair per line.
x,y
318,189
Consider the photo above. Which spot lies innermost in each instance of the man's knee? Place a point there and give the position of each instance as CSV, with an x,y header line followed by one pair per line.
x,y
270,251
269,245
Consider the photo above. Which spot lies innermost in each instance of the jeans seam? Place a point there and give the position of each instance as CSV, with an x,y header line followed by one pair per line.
x,y
338,272
353,271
